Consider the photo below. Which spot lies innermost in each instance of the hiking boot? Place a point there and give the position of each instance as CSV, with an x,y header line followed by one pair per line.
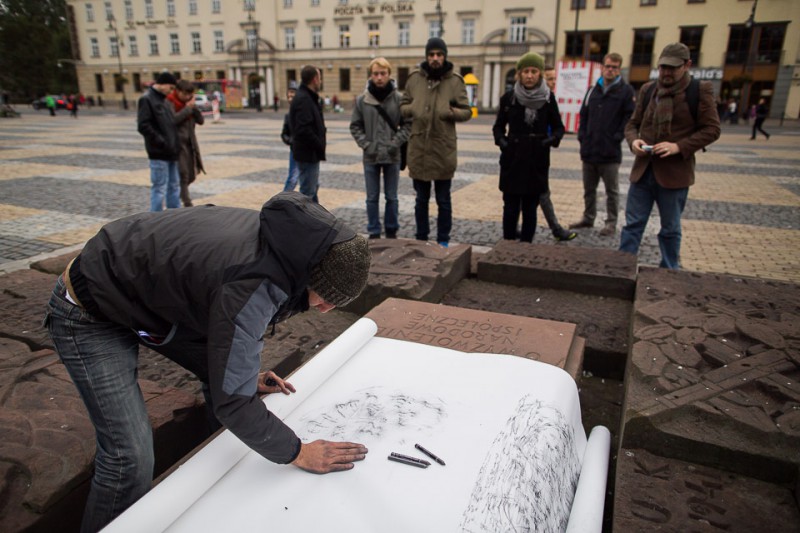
x,y
608,230
560,234
583,223
391,234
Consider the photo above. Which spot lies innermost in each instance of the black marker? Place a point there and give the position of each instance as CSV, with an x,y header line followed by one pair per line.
x,y
408,460
429,454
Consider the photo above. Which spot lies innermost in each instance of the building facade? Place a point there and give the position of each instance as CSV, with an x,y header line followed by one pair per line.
x,y
120,45
747,48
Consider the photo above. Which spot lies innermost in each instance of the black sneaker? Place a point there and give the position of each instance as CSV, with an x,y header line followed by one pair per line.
x,y
561,234
391,234
374,235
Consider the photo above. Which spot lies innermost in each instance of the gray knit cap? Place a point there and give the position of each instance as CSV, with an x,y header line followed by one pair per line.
x,y
342,274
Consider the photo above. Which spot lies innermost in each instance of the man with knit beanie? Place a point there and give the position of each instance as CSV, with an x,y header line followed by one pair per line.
x,y
201,286
435,99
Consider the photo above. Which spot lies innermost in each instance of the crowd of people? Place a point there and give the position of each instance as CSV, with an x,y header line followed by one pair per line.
x,y
231,273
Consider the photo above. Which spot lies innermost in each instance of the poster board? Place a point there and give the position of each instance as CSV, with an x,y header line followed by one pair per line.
x,y
573,78
508,429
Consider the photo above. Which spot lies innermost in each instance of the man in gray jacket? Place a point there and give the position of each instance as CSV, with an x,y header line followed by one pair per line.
x,y
155,121
200,286
379,131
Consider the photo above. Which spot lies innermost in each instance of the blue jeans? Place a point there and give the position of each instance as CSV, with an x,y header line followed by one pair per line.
x,y
101,358
291,178
670,202
444,221
165,178
308,176
391,178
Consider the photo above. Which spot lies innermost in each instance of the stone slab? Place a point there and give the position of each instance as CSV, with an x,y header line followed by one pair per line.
x,y
54,265
654,493
594,271
713,372
415,270
472,331
23,297
603,322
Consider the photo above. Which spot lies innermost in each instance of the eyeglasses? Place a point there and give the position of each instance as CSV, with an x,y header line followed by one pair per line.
x,y
611,67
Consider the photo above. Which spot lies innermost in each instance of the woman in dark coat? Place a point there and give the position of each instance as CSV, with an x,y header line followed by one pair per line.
x,y
528,124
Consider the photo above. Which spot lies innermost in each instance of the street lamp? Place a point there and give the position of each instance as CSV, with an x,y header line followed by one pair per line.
x,y
441,18
254,24
750,24
112,25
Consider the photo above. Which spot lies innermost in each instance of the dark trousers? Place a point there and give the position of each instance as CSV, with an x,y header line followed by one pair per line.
x,y
513,204
757,127
444,221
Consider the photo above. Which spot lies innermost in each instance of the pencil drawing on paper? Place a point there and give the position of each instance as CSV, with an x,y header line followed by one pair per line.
x,y
529,476
372,412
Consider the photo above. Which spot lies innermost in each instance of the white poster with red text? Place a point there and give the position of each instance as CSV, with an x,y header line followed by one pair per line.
x,y
573,79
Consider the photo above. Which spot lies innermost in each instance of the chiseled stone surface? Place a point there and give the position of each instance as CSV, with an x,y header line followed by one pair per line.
x,y
585,270
23,297
467,330
713,372
416,270
660,494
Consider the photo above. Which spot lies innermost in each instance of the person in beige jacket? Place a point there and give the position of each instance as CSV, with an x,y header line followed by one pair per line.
x,y
435,99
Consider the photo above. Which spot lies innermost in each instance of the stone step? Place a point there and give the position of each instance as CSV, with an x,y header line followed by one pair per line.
x,y
472,331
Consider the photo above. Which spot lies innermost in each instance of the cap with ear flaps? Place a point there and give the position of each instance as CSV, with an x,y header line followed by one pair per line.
x,y
342,274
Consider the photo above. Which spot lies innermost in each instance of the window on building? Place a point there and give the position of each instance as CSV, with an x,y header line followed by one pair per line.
x,y
118,82
316,37
109,11
170,8
434,28
602,4
174,43
374,34
198,74
220,75
517,32
344,36
648,2
216,6
291,76
464,70
692,37
588,45
153,44
344,79
287,3
197,47
342,2
697,1
468,31
577,4
193,7
137,82
643,41
219,41
770,43
288,34
128,10
98,83
402,77
403,33
89,13
250,37
95,46
314,3
249,5
148,9
133,46
114,45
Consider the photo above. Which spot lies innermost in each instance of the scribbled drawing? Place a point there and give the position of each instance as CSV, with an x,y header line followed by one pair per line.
x,y
372,412
529,476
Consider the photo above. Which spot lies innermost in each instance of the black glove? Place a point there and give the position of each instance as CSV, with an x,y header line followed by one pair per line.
x,y
548,141
393,150
503,144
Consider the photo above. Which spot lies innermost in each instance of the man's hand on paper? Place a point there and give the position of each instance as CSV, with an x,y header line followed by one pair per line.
x,y
269,382
322,456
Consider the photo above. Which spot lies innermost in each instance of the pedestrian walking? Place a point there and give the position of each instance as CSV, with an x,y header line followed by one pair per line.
x,y
286,137
308,131
187,116
761,115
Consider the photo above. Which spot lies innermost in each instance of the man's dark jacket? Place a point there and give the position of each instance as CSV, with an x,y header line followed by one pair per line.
x,y
602,124
210,280
307,126
156,122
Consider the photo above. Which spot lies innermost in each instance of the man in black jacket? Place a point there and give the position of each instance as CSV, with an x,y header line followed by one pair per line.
x,y
200,286
308,131
155,121
601,131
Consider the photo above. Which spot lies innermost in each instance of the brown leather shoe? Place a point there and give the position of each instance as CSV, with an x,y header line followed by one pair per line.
x,y
583,223
608,230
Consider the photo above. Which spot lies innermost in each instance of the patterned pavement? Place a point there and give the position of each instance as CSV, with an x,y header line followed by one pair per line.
x,y
61,179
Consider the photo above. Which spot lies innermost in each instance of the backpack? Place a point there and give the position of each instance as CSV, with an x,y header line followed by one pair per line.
x,y
692,98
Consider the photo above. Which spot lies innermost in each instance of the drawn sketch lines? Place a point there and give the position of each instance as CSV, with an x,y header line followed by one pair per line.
x,y
372,412
528,479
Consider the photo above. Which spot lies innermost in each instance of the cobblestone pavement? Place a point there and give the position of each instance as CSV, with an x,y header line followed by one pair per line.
x,y
61,179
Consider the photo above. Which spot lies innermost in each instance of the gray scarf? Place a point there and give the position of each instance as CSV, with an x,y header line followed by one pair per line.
x,y
532,99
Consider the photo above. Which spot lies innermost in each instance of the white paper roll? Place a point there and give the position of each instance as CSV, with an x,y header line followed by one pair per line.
x,y
169,499
586,515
